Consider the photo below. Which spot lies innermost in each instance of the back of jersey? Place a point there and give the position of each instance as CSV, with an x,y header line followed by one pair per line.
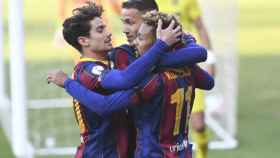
x,y
178,99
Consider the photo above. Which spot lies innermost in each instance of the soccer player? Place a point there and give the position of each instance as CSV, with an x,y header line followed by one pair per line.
x,y
93,70
132,12
163,130
190,14
164,103
171,86
132,8
86,32
132,19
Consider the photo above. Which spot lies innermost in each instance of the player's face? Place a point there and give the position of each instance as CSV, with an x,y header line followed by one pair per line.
x,y
100,39
145,38
132,20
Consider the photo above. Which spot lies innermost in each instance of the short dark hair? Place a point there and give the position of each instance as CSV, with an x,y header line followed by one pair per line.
x,y
141,5
79,23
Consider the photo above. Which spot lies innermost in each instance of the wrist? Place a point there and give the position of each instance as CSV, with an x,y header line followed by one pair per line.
x,y
66,82
162,44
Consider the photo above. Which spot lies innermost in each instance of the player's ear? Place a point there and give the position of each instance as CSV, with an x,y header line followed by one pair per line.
x,y
83,41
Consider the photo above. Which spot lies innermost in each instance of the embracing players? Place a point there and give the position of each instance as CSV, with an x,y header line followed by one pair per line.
x,y
93,75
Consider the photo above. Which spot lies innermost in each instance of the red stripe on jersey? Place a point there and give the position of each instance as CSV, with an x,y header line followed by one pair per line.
x,y
121,59
88,81
120,124
119,119
150,88
169,112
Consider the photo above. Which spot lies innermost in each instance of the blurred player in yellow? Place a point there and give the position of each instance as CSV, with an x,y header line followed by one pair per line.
x,y
189,13
64,10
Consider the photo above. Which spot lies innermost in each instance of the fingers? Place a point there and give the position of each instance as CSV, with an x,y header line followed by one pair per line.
x,y
178,32
178,35
159,26
177,29
171,25
50,78
171,34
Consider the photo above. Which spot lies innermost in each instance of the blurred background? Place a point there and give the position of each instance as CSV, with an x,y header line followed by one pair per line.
x,y
249,31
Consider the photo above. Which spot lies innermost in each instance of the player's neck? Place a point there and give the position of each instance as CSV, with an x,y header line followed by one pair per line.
x,y
95,55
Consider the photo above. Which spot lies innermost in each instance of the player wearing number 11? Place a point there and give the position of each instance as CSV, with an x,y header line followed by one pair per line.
x,y
166,99
163,130
164,103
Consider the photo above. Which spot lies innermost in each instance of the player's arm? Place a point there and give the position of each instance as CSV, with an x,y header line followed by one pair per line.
x,y
104,105
136,71
189,55
96,102
203,80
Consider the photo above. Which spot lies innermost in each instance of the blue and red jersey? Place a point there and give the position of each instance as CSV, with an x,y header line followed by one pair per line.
x,y
95,112
106,105
97,131
166,102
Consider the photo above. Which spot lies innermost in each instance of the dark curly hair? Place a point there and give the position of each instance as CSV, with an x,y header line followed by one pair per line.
x,y
79,23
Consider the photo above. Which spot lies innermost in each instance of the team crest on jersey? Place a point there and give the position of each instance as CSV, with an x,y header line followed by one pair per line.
x,y
97,70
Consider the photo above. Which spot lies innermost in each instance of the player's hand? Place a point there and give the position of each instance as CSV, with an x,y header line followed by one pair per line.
x,y
57,77
169,35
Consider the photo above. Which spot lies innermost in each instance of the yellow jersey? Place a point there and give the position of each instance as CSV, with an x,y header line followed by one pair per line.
x,y
187,10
